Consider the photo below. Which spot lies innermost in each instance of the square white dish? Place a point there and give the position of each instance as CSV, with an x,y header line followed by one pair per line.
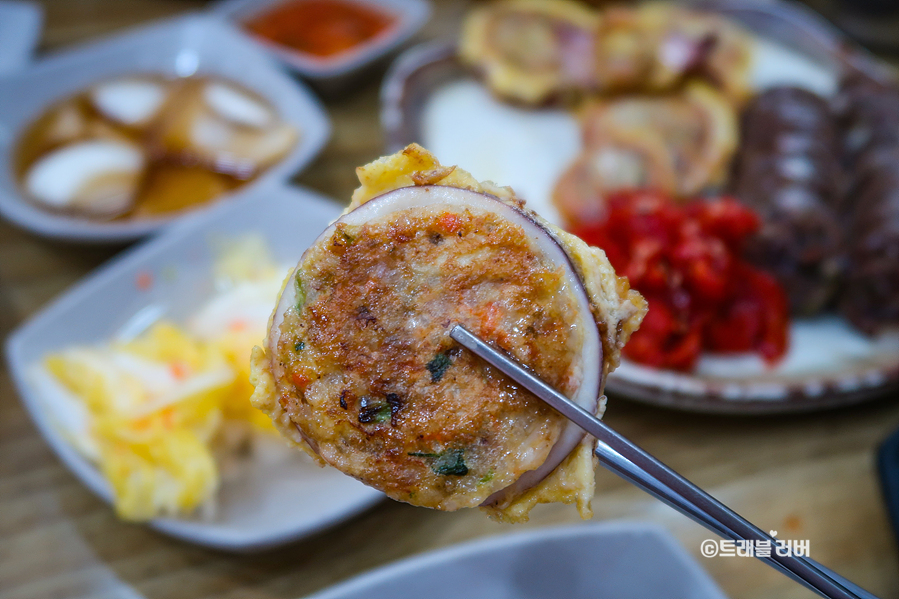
x,y
623,560
335,72
276,496
177,47
20,32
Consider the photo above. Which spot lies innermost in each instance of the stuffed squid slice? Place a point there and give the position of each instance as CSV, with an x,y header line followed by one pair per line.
x,y
656,46
679,144
698,128
532,51
359,369
616,159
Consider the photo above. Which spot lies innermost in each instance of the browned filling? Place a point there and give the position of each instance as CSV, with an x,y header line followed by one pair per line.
x,y
378,387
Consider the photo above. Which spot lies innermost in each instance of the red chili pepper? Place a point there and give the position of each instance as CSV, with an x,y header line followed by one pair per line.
x,y
686,260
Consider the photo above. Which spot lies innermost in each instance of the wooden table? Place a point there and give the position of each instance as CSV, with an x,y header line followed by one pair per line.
x,y
809,477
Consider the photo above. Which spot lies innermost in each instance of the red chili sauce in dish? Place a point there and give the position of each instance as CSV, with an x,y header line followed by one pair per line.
x,y
321,28
686,260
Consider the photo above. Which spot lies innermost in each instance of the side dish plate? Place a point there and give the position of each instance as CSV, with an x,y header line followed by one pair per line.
x,y
195,44
335,71
829,364
274,496
613,559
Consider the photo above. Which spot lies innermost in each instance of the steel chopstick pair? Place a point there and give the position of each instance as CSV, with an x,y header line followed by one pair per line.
x,y
632,463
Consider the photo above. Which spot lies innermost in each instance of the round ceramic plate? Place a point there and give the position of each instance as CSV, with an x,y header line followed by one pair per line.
x,y
430,98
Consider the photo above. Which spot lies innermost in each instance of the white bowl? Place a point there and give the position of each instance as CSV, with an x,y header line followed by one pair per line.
x,y
335,72
268,501
178,47
623,560
20,31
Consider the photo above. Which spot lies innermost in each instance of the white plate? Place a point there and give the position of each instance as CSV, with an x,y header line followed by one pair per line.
x,y
20,31
619,560
272,499
411,15
178,47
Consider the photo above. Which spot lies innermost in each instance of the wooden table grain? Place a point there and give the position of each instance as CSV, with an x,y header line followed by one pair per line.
x,y
808,477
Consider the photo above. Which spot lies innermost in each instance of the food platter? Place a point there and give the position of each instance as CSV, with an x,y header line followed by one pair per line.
x,y
267,497
430,97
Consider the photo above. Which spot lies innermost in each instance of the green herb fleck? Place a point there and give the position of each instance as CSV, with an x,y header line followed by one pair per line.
x,y
373,411
300,292
486,478
448,463
299,346
437,367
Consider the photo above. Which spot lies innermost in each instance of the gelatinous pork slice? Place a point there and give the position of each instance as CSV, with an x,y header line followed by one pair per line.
x,y
131,101
97,178
224,127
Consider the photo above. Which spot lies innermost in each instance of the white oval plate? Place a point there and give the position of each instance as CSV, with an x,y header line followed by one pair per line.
x,y
428,97
624,560
180,47
274,497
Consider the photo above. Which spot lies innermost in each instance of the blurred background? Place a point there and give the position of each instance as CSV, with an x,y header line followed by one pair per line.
x,y
807,475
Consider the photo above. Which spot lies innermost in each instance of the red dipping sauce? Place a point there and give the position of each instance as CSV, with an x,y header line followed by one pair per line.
x,y
687,262
321,28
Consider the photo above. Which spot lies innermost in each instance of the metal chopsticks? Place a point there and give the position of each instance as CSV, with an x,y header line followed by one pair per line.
x,y
632,463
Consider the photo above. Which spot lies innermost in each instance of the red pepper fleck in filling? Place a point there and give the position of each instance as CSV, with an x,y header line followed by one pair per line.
x,y
449,223
300,381
687,261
